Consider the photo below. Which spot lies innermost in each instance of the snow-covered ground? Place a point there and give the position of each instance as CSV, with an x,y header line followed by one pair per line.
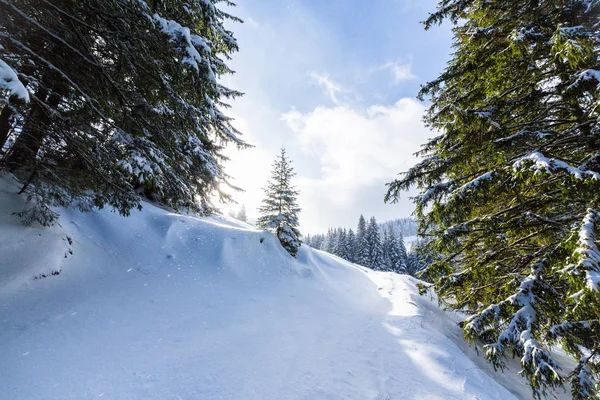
x,y
165,306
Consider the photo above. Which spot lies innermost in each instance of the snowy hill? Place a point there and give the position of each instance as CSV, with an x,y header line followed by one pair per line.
x,y
165,306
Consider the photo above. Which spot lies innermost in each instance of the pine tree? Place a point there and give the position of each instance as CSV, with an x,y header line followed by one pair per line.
x,y
351,244
361,255
394,251
414,263
342,250
510,189
279,212
317,241
387,247
241,215
402,253
329,243
122,107
308,240
373,246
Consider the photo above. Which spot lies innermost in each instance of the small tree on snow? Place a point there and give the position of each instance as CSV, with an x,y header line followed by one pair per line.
x,y
241,215
279,211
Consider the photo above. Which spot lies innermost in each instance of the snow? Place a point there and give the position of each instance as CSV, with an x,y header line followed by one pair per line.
x,y
589,251
542,163
473,184
192,43
164,306
588,74
10,82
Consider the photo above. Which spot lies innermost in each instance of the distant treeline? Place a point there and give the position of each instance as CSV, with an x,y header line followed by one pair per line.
x,y
377,246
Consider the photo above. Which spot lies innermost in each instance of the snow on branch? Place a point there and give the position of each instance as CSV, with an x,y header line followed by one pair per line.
x,y
10,81
518,327
587,75
192,42
540,163
473,184
435,190
587,252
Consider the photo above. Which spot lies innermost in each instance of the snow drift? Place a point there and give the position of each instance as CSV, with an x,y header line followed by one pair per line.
x,y
166,306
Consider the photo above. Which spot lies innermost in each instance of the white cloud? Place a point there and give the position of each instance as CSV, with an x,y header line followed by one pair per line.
x,y
330,87
357,151
400,71
343,153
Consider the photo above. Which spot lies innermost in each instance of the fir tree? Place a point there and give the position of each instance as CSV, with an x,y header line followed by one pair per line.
x,y
351,245
317,241
241,215
279,212
308,240
361,254
332,242
373,246
341,247
402,260
510,189
387,249
125,102
394,252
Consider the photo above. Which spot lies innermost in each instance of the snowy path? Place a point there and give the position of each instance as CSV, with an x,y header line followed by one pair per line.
x,y
160,306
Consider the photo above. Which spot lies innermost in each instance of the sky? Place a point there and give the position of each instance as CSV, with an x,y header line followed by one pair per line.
x,y
335,83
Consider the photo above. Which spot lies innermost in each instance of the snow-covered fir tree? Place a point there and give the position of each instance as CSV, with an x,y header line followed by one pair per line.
x,y
386,246
351,246
389,254
402,253
121,107
404,226
341,244
242,215
373,246
510,188
419,259
315,241
394,252
279,210
361,254
330,241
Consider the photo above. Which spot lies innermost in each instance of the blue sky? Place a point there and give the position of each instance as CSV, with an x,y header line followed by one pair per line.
x,y
334,81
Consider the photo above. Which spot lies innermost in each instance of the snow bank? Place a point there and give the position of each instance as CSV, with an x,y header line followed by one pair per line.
x,y
165,306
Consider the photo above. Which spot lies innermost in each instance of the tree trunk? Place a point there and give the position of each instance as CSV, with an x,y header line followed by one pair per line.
x,y
35,130
30,139
7,111
5,124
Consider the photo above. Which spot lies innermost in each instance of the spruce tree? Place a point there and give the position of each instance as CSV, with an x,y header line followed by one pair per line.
x,y
361,255
351,245
241,215
342,246
308,240
329,243
387,250
394,251
400,264
279,211
373,246
125,102
510,189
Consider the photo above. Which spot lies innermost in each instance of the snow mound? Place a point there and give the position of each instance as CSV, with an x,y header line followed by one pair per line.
x,y
165,306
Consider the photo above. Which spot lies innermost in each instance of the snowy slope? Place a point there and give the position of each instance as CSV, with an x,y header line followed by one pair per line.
x,y
165,306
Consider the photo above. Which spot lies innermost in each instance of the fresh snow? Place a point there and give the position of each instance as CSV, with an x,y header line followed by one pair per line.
x,y
10,81
542,163
164,306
